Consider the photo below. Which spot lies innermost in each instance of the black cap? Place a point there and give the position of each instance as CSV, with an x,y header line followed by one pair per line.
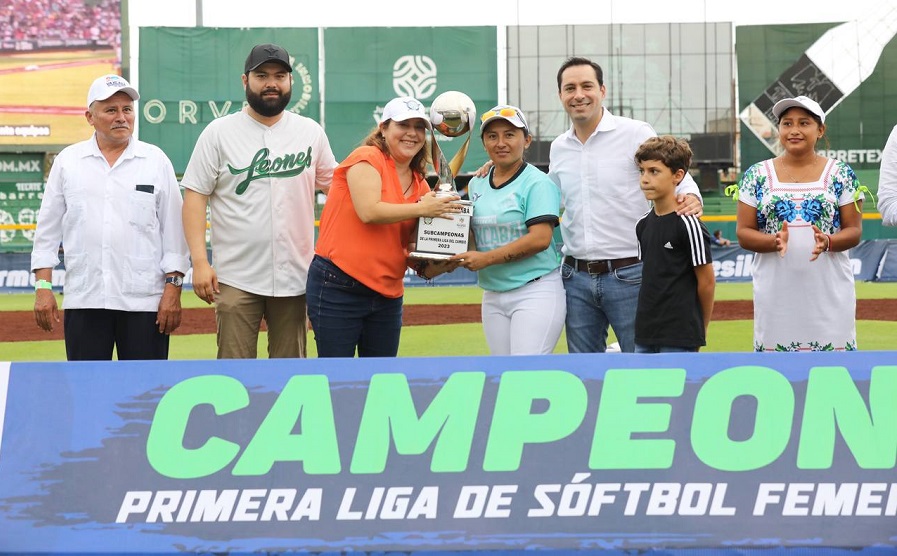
x,y
262,53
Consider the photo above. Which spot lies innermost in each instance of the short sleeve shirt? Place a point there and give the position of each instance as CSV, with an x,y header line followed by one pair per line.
x,y
261,183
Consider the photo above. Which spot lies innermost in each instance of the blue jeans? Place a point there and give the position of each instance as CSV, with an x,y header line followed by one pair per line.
x,y
595,301
639,348
347,315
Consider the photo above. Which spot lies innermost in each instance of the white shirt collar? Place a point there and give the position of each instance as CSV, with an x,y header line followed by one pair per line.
x,y
135,148
608,122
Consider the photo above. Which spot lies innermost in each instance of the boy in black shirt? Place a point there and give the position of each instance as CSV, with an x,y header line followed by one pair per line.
x,y
676,297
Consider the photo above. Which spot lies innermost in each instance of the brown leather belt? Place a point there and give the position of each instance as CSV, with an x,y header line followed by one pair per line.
x,y
600,267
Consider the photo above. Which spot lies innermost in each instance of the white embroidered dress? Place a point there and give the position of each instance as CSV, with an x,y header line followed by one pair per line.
x,y
801,305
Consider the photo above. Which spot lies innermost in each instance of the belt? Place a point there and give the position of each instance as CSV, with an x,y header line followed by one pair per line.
x,y
600,267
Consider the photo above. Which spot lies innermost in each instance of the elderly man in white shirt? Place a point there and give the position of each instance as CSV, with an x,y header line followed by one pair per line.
x,y
594,165
887,182
114,204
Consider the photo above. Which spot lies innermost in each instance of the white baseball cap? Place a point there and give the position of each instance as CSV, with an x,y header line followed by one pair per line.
x,y
107,85
404,108
505,112
806,103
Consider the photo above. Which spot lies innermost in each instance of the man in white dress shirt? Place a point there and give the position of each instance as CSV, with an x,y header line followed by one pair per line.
x,y
594,165
114,204
887,182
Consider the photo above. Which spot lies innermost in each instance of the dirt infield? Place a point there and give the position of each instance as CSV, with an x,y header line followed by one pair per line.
x,y
19,326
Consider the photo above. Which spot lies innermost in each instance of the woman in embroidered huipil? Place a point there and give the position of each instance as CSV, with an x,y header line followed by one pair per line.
x,y
801,213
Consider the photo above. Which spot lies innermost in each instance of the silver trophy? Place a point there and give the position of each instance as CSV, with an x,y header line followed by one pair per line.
x,y
452,114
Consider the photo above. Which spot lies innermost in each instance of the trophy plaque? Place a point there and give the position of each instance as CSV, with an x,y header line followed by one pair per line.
x,y
452,114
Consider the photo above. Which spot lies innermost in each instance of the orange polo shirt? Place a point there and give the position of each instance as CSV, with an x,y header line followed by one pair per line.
x,y
373,254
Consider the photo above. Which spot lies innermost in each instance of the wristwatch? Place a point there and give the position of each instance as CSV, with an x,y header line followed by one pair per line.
x,y
176,281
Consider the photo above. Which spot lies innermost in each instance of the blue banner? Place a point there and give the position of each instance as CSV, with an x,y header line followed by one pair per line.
x,y
731,452
733,264
888,268
730,264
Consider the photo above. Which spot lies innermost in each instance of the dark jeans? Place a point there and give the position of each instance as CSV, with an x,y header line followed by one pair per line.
x,y
90,335
347,315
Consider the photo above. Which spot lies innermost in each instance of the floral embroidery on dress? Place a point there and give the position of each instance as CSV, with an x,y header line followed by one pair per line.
x,y
784,203
784,209
809,346
811,209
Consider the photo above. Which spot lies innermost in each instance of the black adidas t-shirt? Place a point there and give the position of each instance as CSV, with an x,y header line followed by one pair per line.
x,y
669,312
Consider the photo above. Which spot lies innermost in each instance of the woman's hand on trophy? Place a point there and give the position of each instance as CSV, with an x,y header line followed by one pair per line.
x,y
431,268
441,206
473,260
437,267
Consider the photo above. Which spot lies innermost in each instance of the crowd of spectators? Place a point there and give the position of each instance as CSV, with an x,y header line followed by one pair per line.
x,y
98,20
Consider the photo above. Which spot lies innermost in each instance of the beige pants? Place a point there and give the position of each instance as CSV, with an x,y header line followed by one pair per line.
x,y
239,315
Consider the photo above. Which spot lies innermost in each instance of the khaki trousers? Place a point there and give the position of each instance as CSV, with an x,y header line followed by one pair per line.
x,y
239,316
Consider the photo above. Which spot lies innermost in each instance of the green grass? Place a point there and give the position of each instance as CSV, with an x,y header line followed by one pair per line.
x,y
417,341
425,295
422,295
464,339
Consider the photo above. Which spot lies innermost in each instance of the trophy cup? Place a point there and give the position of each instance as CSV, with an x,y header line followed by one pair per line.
x,y
452,114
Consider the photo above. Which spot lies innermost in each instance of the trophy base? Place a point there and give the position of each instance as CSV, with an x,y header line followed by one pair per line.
x,y
430,256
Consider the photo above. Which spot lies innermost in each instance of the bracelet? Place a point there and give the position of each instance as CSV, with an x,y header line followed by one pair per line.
x,y
43,285
828,247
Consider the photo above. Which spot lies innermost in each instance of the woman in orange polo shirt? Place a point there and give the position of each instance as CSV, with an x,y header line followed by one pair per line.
x,y
356,279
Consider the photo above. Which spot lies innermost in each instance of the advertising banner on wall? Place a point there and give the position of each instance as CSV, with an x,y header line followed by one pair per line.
x,y
874,261
366,67
21,190
849,68
734,264
19,204
190,76
562,453
47,63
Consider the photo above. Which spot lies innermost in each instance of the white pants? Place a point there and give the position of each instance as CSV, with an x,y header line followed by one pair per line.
x,y
527,320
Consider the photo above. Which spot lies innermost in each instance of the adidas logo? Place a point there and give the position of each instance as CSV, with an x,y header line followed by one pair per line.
x,y
668,245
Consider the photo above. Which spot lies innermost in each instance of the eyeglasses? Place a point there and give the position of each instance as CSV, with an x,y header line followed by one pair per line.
x,y
504,112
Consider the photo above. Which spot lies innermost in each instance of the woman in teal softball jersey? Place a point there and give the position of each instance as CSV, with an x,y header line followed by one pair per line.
x,y
515,210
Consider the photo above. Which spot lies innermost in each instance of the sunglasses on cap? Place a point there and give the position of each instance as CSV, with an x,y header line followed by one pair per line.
x,y
504,112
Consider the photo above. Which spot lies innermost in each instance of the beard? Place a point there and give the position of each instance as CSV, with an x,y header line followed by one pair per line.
x,y
268,107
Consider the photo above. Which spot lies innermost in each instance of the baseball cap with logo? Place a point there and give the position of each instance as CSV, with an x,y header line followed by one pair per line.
x,y
806,103
107,85
404,108
506,112
262,53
